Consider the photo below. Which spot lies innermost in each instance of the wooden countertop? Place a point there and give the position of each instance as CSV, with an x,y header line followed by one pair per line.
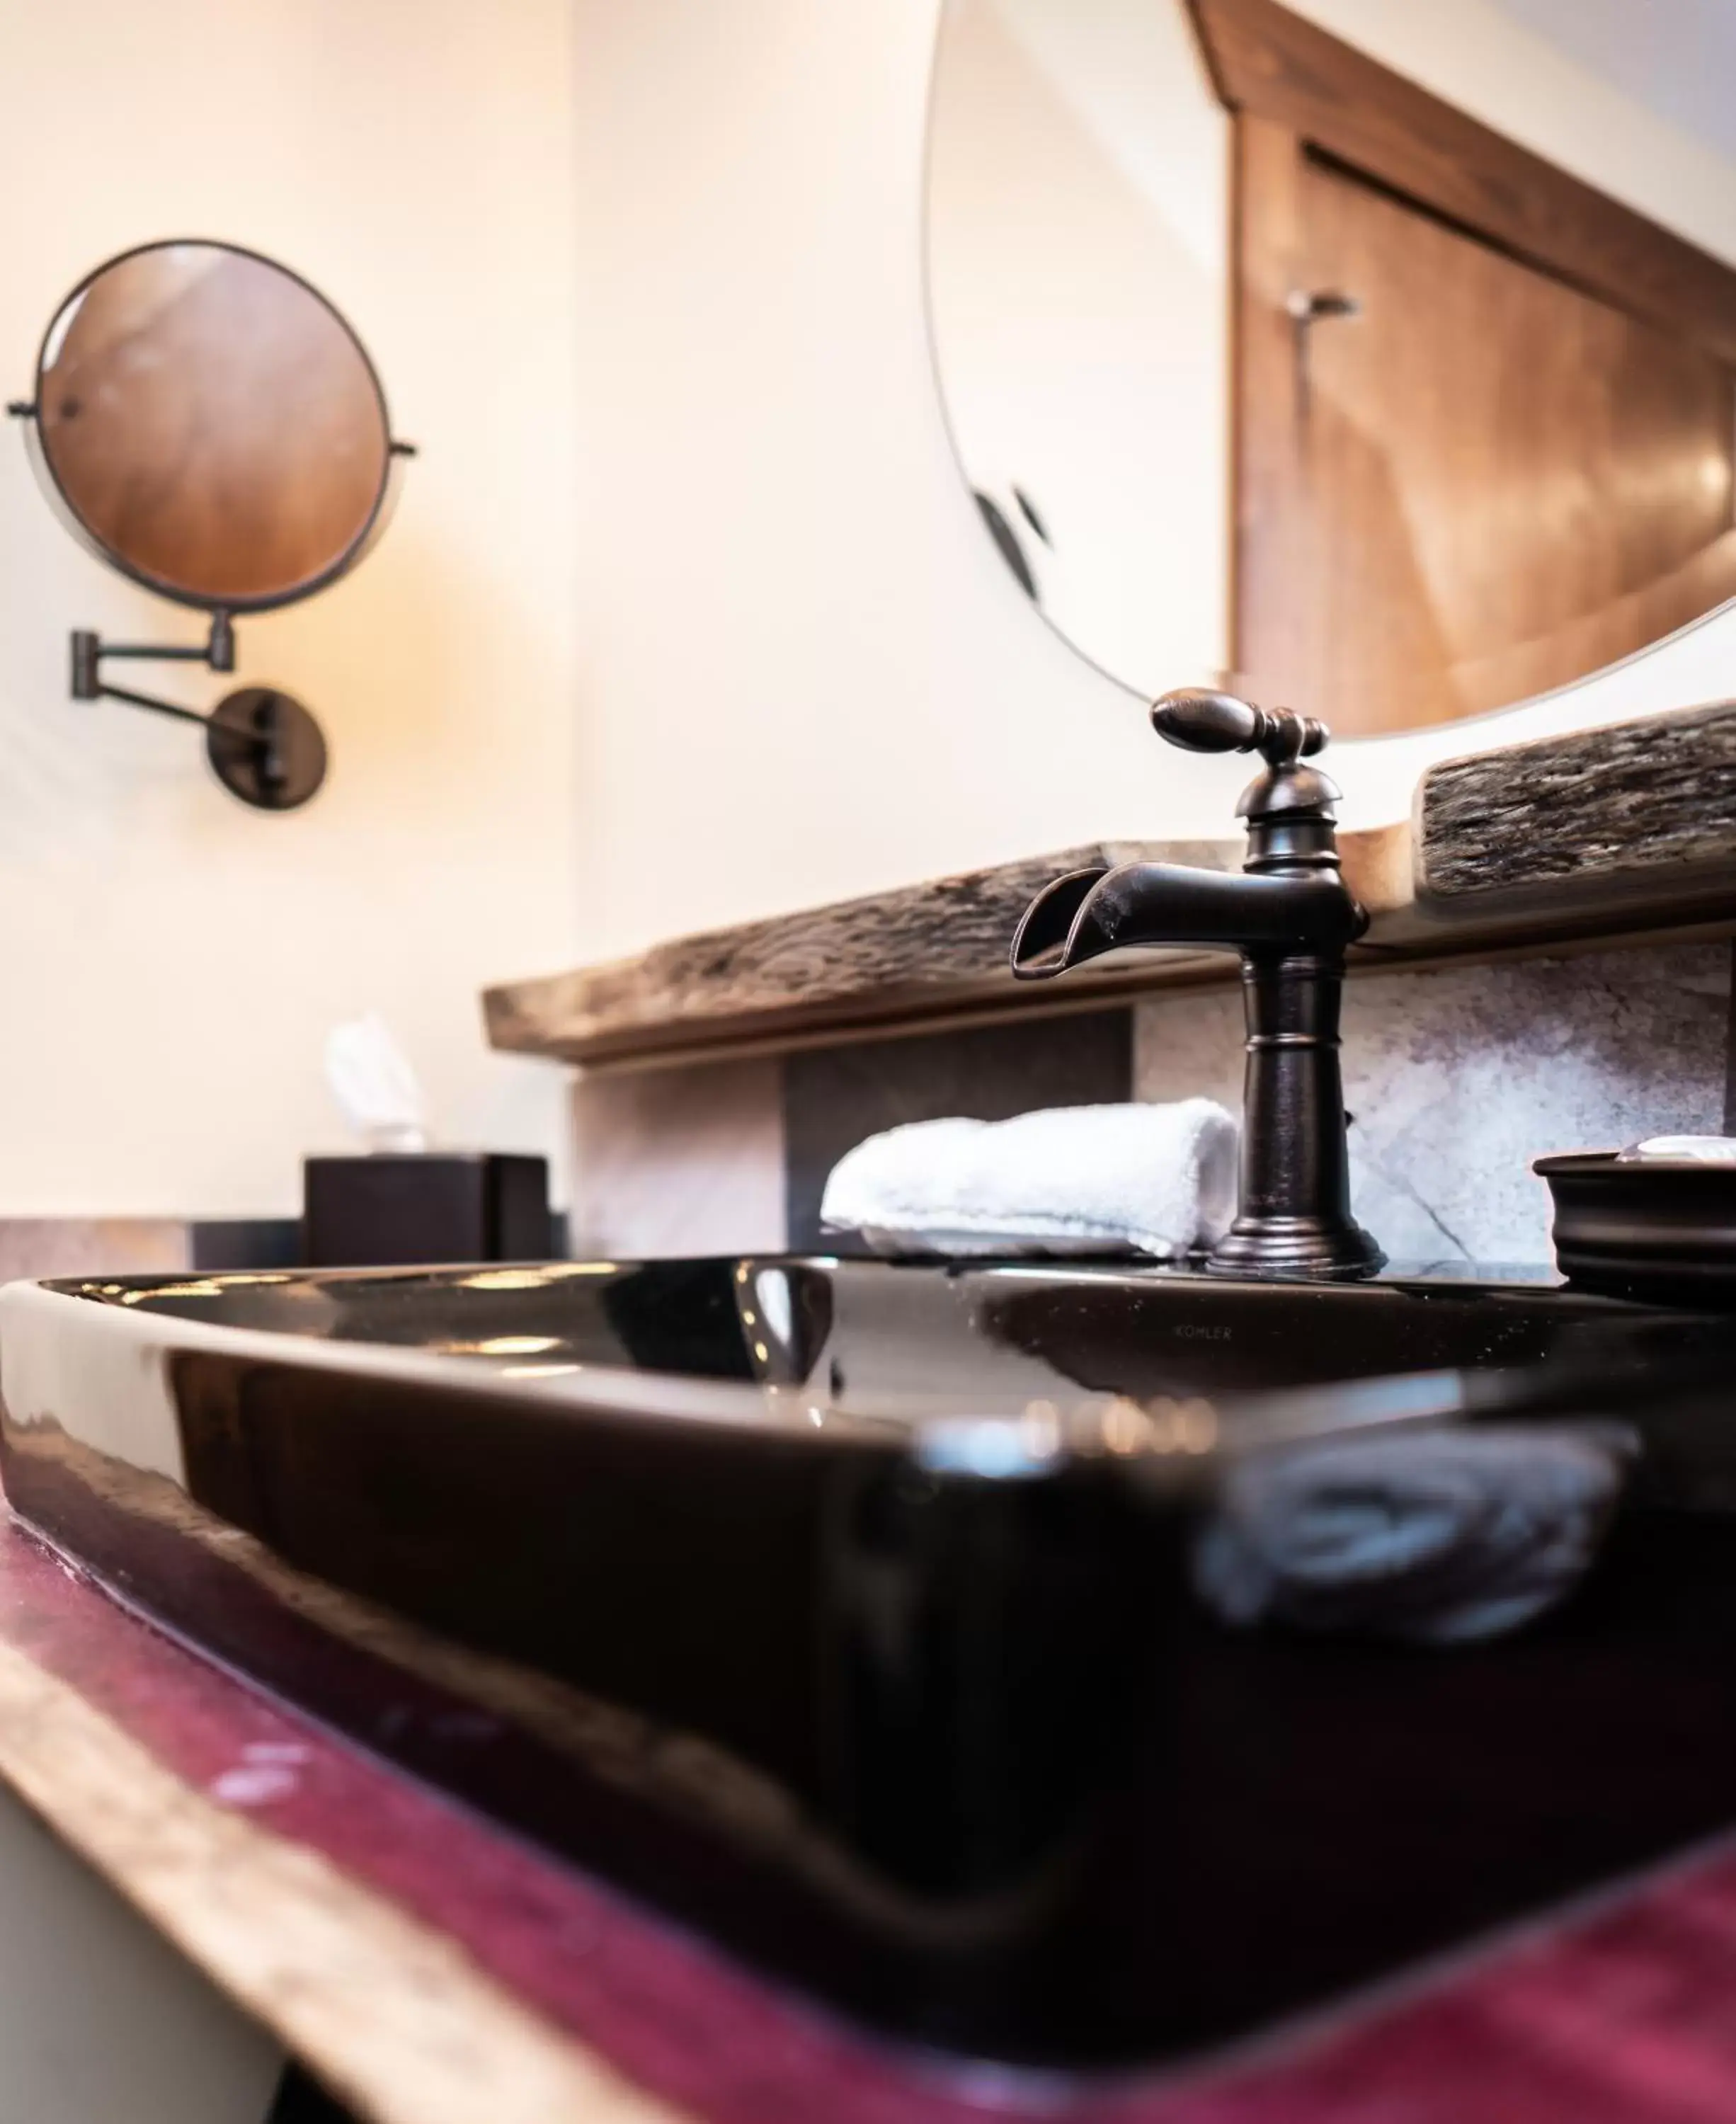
x,y
1627,829
432,1969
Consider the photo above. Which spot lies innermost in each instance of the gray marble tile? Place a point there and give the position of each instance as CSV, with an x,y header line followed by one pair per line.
x,y
677,1160
1187,1044
144,1246
93,1245
1459,1076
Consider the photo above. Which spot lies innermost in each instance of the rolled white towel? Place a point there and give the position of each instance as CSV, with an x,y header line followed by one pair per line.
x,y
1149,1179
1442,1536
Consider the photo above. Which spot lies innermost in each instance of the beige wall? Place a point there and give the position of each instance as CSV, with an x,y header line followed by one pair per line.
x,y
1077,225
169,960
807,671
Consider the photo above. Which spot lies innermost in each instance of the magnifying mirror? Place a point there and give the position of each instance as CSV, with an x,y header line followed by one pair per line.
x,y
208,424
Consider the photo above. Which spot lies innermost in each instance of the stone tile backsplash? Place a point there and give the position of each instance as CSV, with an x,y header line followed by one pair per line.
x,y
1459,1076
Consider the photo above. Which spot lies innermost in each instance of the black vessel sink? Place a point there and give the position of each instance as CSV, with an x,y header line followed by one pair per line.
x,y
1070,1665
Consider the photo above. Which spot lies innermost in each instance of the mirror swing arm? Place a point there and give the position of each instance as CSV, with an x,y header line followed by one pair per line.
x,y
245,733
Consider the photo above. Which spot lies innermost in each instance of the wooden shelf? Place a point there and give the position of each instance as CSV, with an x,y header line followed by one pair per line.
x,y
1628,830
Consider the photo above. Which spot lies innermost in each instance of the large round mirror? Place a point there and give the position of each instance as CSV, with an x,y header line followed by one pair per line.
x,y
212,426
1379,360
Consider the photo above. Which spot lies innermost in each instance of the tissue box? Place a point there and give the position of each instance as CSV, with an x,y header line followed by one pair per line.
x,y
394,1209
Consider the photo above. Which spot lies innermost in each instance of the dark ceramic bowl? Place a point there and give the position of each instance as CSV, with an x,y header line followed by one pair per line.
x,y
1656,1228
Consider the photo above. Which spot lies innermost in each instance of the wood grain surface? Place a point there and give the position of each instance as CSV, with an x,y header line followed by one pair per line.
x,y
433,1971
396,2018
1489,483
918,949
1272,63
1629,831
1511,462
1651,801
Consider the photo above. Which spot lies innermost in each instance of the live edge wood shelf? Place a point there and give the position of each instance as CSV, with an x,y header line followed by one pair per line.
x,y
1627,829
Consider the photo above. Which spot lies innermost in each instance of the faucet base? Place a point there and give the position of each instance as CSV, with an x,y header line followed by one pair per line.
x,y
1333,1249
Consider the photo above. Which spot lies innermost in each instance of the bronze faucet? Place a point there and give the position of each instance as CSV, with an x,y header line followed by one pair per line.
x,y
1292,917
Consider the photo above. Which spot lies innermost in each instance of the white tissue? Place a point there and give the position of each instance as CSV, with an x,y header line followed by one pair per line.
x,y
375,1085
1677,1149
1157,1180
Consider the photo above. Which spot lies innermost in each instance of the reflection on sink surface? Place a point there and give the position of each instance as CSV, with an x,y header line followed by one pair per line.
x,y
1064,1663
860,1332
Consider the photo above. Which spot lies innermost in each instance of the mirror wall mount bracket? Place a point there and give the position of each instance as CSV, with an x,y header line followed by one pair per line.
x,y
263,746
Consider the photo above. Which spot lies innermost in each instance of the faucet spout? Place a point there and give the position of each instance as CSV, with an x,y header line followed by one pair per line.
x,y
1089,912
1054,932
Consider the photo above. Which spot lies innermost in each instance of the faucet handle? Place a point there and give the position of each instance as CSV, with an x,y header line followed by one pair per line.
x,y
1200,720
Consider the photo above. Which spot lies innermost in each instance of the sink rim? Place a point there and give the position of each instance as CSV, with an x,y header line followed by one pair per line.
x,y
53,1318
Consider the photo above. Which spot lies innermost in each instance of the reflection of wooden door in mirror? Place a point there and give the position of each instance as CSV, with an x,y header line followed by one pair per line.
x,y
1508,459
1504,483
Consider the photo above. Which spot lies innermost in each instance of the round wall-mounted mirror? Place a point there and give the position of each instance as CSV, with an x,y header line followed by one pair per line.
x,y
1380,360
212,426
208,424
